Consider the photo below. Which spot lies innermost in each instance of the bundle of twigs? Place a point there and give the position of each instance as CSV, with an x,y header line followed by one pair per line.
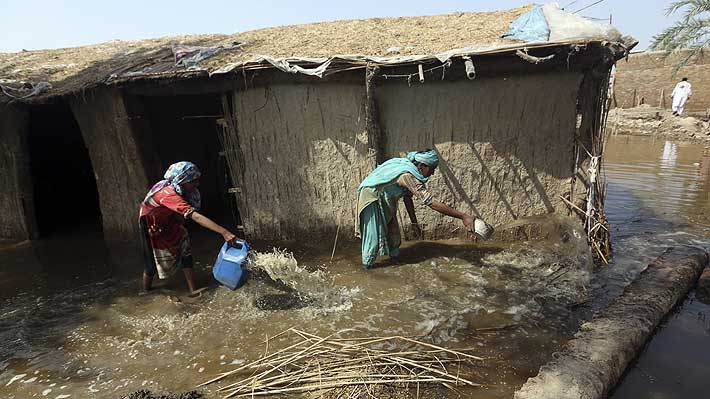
x,y
315,363
596,105
597,224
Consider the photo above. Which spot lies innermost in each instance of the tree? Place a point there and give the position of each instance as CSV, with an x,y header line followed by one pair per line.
x,y
692,31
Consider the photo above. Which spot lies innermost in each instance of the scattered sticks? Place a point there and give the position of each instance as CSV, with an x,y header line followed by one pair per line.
x,y
358,366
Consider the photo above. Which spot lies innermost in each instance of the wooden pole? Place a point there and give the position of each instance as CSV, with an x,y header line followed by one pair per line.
x,y
372,119
633,99
662,99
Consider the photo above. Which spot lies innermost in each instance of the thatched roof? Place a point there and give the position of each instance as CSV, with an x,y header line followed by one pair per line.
x,y
72,69
372,37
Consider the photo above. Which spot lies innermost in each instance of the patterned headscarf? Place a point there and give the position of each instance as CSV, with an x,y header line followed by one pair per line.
x,y
178,174
427,157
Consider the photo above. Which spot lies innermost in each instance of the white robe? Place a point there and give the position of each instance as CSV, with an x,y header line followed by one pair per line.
x,y
681,93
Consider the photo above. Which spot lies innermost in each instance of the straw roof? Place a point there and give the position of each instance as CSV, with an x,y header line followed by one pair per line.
x,y
427,35
72,69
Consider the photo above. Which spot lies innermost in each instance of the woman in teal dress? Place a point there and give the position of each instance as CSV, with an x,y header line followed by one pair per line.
x,y
379,194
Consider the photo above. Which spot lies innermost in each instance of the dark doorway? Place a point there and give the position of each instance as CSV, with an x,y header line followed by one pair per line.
x,y
185,129
65,195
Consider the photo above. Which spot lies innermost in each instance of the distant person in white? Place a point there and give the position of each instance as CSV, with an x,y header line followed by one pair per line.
x,y
680,95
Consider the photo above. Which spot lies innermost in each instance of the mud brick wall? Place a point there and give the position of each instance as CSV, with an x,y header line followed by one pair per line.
x,y
16,217
648,73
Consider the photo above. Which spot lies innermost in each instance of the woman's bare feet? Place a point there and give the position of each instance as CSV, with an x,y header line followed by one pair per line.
x,y
196,293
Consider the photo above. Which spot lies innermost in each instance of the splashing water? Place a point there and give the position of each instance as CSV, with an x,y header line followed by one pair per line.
x,y
281,266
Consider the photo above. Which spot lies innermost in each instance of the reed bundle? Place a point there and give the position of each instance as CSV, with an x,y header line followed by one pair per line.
x,y
360,365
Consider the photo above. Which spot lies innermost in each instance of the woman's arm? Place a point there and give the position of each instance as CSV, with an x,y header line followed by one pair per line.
x,y
419,190
442,208
409,205
207,223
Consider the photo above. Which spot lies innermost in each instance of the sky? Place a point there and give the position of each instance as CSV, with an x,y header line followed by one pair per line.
x,y
43,24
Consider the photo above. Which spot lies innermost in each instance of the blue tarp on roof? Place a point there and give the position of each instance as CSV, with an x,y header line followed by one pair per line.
x,y
530,27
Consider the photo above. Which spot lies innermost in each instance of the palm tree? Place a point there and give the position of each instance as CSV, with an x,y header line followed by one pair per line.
x,y
692,31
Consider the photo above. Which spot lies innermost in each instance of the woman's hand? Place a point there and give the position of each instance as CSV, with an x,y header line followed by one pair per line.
x,y
416,231
467,221
228,236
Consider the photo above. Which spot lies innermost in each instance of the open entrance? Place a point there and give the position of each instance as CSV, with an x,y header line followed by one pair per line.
x,y
65,195
185,129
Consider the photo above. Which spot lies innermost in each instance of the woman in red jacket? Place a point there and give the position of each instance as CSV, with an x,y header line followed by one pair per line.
x,y
162,218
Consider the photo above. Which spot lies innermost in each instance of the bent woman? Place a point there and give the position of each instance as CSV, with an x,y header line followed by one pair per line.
x,y
379,194
163,212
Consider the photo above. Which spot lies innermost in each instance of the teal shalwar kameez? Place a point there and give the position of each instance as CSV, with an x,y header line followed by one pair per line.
x,y
378,196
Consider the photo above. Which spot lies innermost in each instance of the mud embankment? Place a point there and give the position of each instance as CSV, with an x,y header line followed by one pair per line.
x,y
645,120
592,363
703,290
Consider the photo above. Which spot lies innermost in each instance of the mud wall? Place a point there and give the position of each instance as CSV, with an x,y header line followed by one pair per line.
x,y
645,75
506,147
16,218
113,146
506,143
304,153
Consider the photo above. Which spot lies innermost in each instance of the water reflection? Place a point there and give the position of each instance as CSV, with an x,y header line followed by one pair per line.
x,y
660,177
669,155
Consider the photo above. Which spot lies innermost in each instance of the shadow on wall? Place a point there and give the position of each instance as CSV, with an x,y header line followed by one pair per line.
x,y
532,176
506,143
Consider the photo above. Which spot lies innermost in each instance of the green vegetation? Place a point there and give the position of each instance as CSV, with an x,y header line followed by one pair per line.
x,y
692,31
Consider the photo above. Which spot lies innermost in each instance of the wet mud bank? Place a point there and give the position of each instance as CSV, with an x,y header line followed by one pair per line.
x,y
592,363
703,290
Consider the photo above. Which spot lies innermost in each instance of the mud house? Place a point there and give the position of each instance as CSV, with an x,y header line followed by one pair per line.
x,y
286,121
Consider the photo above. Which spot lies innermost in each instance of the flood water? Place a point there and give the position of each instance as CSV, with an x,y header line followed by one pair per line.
x,y
659,197
73,325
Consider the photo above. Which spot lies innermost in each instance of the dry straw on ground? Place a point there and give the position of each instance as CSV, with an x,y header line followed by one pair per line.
x,y
331,366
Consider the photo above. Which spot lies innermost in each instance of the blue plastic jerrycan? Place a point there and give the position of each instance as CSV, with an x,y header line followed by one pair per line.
x,y
228,267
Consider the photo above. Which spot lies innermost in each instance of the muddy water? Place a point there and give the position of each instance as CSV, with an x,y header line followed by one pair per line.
x,y
72,324
659,196
77,327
